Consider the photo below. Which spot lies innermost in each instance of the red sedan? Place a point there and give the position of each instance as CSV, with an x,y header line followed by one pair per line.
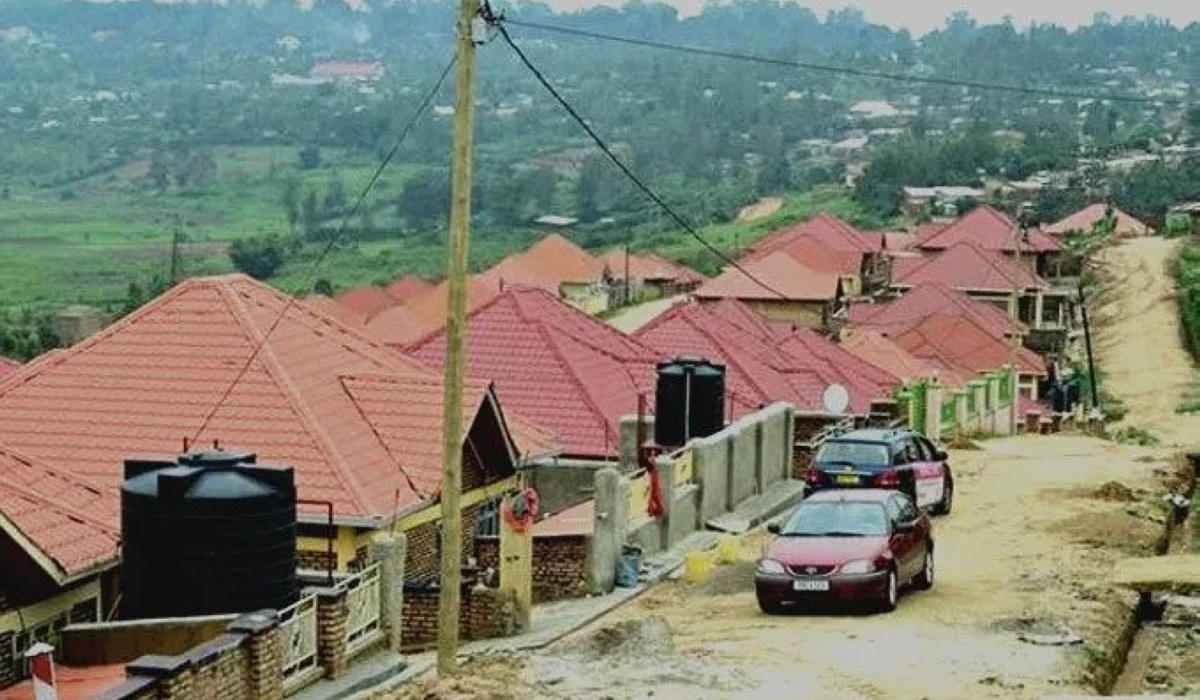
x,y
853,546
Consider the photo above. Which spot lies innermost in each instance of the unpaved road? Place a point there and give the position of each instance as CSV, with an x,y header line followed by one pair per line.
x,y
760,209
1028,545
630,319
1139,348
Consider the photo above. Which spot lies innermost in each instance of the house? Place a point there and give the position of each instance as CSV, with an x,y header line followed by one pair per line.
x,y
941,200
335,309
928,300
873,347
780,288
359,423
559,266
991,277
366,300
1086,219
765,361
405,324
349,71
828,244
651,276
408,288
995,231
571,374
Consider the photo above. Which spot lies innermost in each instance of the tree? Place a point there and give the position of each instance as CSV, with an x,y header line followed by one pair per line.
x,y
258,256
323,287
310,158
310,215
425,199
290,198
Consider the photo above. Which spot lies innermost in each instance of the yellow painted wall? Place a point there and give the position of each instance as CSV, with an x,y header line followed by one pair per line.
x,y
852,285
807,314
33,615
350,540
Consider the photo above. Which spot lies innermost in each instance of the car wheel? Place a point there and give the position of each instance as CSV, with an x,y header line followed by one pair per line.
x,y
947,502
891,592
924,580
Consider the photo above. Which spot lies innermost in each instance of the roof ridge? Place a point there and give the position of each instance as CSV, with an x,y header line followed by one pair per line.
x,y
705,331
274,368
570,310
563,362
378,437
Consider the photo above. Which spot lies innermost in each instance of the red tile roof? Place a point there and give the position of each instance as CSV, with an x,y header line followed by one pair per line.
x,y
814,254
968,267
70,521
73,683
649,267
962,344
885,354
765,362
426,314
398,326
1084,219
830,231
7,365
408,288
568,372
549,263
899,240
990,229
144,383
778,271
366,300
335,309
927,300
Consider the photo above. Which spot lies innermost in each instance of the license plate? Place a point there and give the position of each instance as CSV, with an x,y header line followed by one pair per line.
x,y
846,479
810,585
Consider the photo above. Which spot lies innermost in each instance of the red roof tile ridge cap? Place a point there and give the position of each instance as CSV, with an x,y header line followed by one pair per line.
x,y
283,381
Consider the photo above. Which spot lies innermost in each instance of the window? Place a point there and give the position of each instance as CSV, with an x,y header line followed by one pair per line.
x,y
892,506
857,454
488,523
924,450
902,453
908,511
837,518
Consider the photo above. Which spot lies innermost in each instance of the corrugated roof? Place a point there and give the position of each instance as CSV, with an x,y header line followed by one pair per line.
x,y
778,271
144,383
968,266
571,374
765,361
1084,219
990,229
927,300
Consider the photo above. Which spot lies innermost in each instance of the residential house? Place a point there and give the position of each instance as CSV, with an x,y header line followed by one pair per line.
x,y
990,277
879,350
897,318
407,323
359,423
366,300
941,200
995,231
828,244
780,288
568,372
559,266
1086,219
766,361
650,276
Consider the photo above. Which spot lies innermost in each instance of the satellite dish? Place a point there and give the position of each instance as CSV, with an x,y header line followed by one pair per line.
x,y
836,399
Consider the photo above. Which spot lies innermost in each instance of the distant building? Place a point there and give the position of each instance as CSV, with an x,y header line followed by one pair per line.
x,y
348,71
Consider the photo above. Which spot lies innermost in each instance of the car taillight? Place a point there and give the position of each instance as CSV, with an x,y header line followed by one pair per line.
x,y
888,479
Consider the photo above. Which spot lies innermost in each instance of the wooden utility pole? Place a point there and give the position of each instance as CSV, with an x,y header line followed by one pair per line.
x,y
456,311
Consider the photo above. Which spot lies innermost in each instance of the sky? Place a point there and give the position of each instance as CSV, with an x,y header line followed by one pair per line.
x,y
920,16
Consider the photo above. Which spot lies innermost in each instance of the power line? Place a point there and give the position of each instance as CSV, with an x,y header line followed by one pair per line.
x,y
843,70
645,189
330,244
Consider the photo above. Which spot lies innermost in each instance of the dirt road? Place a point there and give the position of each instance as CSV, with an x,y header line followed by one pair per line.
x,y
1027,549
1139,348
630,319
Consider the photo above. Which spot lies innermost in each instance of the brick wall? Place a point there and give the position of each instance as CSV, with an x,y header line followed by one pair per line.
x,y
486,613
316,561
423,558
560,565
224,676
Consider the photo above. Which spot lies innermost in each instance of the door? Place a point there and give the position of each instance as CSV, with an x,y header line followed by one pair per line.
x,y
908,546
904,456
929,475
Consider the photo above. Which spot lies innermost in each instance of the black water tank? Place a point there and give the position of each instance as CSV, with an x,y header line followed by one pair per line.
x,y
689,400
208,534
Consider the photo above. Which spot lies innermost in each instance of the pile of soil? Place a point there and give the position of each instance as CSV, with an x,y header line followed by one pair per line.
x,y
1115,491
638,638
493,677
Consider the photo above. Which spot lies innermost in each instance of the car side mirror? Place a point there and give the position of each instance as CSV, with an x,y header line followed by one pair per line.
x,y
774,528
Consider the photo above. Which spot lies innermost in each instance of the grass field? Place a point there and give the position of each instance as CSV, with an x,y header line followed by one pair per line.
x,y
87,242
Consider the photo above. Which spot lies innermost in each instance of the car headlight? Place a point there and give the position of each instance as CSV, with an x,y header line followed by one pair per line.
x,y
859,566
770,566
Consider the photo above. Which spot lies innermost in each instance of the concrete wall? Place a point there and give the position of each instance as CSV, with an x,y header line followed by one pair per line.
x,y
562,483
102,644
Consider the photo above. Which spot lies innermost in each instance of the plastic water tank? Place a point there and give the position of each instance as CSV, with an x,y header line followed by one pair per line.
x,y
689,400
210,533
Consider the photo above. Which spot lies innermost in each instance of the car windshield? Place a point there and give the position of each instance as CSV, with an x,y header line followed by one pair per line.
x,y
837,519
858,454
